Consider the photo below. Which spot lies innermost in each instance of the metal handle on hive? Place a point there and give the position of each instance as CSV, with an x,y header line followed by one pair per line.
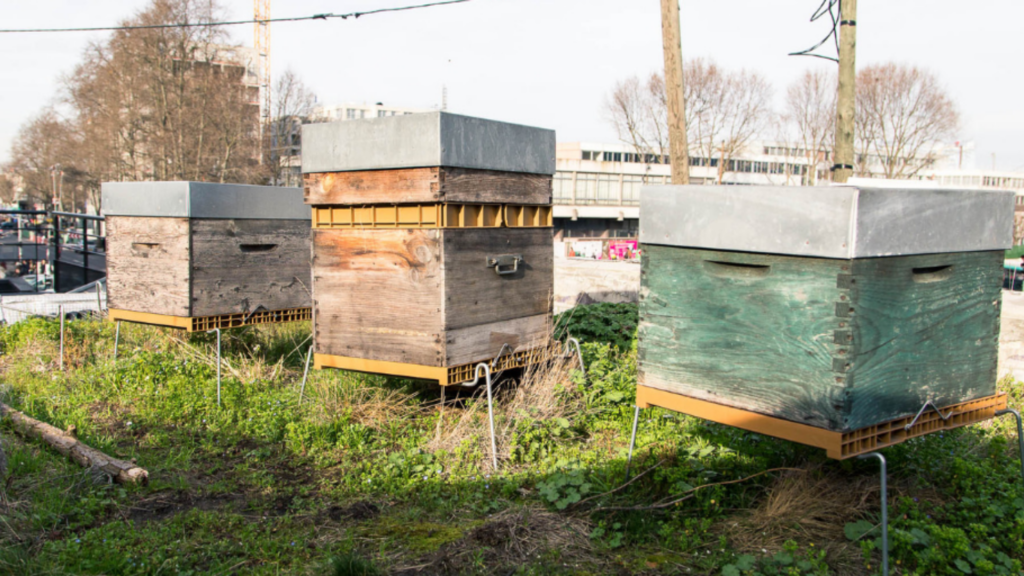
x,y
501,263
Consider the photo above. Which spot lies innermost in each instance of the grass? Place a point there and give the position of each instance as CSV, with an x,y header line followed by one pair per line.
x,y
371,475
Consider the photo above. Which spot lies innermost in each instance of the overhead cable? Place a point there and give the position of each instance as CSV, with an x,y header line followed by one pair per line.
x,y
235,22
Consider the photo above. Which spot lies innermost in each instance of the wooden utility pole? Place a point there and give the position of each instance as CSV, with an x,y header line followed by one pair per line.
x,y
842,168
670,38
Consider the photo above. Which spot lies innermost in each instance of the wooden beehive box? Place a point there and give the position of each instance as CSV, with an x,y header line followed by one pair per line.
x,y
838,309
183,250
413,219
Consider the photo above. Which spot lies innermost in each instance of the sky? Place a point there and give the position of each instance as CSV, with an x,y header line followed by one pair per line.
x,y
552,63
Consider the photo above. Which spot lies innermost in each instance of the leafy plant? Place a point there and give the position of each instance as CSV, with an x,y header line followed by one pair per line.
x,y
606,323
564,488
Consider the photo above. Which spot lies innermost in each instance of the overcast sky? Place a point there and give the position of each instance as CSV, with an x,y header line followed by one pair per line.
x,y
551,63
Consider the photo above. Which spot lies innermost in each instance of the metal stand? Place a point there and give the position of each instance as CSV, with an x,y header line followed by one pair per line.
x,y
60,309
305,373
117,338
1020,435
885,510
579,354
490,406
217,330
632,439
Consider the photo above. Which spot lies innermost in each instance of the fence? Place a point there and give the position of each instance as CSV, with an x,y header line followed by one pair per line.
x,y
91,301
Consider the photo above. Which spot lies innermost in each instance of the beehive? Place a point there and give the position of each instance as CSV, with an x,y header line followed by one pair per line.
x,y
199,256
432,243
825,315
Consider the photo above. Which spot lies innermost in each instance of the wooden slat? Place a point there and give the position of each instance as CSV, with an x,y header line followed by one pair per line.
x,y
241,265
476,295
178,322
750,331
148,264
926,337
434,184
485,341
379,295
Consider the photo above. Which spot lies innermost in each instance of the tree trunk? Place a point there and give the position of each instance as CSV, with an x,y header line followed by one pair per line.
x,y
65,443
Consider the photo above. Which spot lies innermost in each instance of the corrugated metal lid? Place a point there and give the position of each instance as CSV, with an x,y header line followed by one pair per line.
x,y
203,200
827,221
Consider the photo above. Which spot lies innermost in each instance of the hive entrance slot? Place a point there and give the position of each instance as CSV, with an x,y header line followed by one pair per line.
x,y
736,269
933,273
257,247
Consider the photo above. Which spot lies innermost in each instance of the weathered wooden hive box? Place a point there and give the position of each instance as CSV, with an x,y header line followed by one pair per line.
x,y
432,242
841,309
192,249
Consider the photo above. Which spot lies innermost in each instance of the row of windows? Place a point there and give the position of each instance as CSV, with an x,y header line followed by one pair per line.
x,y
749,166
795,152
1005,182
356,113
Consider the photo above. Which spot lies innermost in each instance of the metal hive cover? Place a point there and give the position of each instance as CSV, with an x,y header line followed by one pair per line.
x,y
827,221
427,140
203,200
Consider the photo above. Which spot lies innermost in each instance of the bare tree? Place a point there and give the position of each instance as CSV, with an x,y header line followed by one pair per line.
x,y
724,112
810,112
902,113
293,106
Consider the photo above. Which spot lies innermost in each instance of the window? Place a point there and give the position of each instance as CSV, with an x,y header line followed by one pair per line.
x,y
587,155
562,187
350,114
586,188
381,113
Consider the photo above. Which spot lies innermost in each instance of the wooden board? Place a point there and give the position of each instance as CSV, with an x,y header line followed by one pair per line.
x,y
837,344
417,185
379,295
485,341
148,264
751,331
245,265
476,295
930,336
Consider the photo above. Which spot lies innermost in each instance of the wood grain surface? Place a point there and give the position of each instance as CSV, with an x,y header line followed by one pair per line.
x,y
148,264
435,184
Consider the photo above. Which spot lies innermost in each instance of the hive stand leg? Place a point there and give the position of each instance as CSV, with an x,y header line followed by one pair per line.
x,y
632,439
579,356
217,330
117,338
885,511
1020,435
490,406
305,373
61,312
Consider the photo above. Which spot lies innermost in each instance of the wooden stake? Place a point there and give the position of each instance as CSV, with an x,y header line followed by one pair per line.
x,y
842,168
65,442
670,37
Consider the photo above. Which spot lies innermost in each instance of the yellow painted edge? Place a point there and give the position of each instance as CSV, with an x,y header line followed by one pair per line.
x,y
181,322
381,367
737,418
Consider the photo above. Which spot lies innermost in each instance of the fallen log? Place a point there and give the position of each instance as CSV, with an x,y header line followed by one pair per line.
x,y
67,444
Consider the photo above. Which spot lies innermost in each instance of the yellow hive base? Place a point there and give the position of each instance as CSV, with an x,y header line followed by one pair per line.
x,y
838,445
204,323
444,376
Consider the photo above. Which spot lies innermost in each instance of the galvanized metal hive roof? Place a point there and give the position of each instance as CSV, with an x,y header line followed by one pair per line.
x,y
427,140
827,221
203,200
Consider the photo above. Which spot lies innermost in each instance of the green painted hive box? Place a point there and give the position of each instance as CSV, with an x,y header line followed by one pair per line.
x,y
837,307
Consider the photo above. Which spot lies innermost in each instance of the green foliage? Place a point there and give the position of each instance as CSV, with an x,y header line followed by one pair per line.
x,y
790,561
1015,253
262,485
613,324
562,489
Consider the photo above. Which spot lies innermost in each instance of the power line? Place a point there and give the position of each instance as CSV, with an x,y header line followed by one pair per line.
x,y
236,22
834,9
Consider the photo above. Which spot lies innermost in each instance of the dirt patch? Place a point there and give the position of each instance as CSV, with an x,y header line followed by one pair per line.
x,y
164,505
360,511
509,539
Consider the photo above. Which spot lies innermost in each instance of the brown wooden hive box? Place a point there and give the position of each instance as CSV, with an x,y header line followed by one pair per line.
x,y
420,271
185,250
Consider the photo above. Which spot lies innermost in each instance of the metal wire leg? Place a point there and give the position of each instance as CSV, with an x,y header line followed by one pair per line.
x,y
305,373
117,338
490,406
1020,435
579,356
61,312
632,439
217,330
885,510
